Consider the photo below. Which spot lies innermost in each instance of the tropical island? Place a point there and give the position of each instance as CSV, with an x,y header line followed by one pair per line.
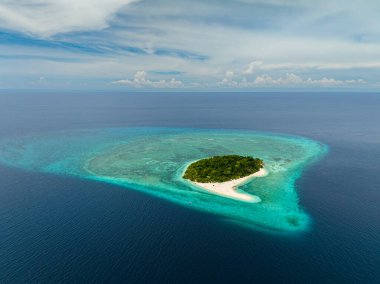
x,y
154,161
222,174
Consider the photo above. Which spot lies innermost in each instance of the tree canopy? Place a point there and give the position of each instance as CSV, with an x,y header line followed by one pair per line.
x,y
222,168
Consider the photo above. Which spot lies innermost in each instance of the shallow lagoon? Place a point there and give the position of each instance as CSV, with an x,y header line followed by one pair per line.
x,y
152,160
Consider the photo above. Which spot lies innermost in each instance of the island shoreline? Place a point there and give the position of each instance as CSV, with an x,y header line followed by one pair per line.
x,y
228,189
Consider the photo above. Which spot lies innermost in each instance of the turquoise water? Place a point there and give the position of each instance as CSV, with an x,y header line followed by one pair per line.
x,y
152,160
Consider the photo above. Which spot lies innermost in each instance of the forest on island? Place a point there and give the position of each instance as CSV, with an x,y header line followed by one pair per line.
x,y
222,168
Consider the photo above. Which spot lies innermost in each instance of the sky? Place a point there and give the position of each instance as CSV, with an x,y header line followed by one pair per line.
x,y
190,45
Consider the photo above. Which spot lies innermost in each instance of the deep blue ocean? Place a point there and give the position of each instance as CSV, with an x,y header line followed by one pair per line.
x,y
64,229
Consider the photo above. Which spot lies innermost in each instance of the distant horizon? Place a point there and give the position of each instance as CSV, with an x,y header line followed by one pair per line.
x,y
137,91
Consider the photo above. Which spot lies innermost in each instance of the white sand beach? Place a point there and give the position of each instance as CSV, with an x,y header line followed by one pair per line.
x,y
229,188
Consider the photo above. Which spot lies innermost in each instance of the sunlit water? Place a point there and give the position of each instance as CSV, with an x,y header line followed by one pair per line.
x,y
59,223
153,160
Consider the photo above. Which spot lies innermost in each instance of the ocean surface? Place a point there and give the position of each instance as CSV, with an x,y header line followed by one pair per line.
x,y
56,227
153,160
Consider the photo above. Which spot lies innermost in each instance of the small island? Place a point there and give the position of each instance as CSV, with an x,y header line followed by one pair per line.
x,y
222,174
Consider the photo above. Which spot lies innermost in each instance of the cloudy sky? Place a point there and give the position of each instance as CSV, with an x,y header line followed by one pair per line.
x,y
190,45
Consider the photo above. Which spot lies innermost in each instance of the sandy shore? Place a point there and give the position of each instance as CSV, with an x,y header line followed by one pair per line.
x,y
228,188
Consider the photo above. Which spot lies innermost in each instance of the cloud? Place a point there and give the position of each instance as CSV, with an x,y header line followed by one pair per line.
x,y
289,80
253,66
293,79
48,17
257,66
140,81
228,78
256,40
232,80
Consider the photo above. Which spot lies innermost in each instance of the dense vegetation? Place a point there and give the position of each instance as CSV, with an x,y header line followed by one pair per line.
x,y
222,168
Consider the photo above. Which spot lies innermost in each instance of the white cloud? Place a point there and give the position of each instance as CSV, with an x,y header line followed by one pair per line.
x,y
293,79
257,66
228,79
318,39
253,67
289,80
48,17
140,81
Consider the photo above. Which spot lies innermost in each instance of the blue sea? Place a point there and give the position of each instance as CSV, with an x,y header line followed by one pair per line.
x,y
57,228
